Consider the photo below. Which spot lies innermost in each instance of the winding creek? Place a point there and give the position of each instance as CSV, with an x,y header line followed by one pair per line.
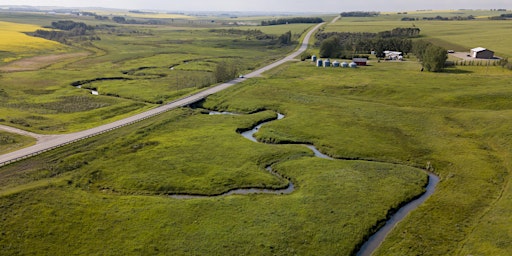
x,y
376,239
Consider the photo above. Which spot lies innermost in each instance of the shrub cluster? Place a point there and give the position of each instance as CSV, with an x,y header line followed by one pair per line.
x,y
291,21
432,57
66,29
359,14
502,17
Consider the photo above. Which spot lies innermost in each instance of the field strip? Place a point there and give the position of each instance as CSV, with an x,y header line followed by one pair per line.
x,y
39,62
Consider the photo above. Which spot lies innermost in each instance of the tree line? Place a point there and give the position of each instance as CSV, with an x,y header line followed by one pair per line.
x,y
284,39
65,29
123,20
291,21
359,14
343,45
432,57
470,17
502,17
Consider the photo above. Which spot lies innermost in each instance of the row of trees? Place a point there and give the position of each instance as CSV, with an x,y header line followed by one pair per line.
x,y
249,33
400,32
470,17
502,17
123,20
284,39
69,25
394,33
359,14
432,57
65,29
291,21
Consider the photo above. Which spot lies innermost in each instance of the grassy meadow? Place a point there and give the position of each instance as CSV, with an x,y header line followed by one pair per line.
x,y
118,184
382,123
368,116
11,142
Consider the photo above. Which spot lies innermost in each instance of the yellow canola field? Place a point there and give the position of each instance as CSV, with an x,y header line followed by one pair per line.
x,y
13,40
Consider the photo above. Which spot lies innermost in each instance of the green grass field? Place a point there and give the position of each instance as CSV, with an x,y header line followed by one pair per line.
x,y
459,127
10,142
383,123
117,183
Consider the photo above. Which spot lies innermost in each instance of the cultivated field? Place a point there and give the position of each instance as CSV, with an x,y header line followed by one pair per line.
x,y
382,123
16,44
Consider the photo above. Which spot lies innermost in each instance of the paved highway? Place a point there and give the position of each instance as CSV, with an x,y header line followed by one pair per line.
x,y
46,143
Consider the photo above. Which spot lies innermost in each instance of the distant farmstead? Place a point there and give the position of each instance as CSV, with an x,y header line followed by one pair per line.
x,y
393,55
482,53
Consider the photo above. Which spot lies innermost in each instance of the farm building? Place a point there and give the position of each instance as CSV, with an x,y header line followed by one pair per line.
x,y
482,53
360,61
392,55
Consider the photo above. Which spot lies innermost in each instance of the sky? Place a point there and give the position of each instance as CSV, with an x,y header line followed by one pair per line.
x,y
329,6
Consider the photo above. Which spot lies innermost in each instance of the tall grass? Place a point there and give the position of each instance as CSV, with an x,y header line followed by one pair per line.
x,y
115,186
10,142
456,119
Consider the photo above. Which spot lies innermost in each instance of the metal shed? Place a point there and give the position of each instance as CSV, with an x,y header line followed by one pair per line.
x,y
482,53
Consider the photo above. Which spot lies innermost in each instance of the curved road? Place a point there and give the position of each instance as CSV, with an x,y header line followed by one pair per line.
x,y
52,142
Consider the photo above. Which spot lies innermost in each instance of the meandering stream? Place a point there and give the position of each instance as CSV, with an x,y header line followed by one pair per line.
x,y
376,239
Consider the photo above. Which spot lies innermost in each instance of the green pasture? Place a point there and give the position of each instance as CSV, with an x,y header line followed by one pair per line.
x,y
115,188
458,120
